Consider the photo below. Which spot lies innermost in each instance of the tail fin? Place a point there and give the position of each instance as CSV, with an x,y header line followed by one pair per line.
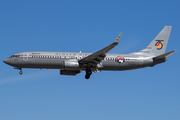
x,y
158,44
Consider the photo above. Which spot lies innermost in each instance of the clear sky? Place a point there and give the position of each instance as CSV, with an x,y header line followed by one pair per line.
x,y
88,26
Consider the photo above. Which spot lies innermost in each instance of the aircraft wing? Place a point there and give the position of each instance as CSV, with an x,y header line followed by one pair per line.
x,y
98,56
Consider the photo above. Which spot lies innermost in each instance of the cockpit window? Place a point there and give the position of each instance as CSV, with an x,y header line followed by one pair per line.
x,y
15,55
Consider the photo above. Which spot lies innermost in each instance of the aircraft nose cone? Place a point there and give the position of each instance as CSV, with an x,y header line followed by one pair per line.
x,y
9,61
5,61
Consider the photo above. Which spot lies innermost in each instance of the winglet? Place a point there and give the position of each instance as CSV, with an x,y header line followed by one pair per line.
x,y
118,38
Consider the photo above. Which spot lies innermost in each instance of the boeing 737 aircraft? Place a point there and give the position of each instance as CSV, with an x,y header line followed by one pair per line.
x,y
71,63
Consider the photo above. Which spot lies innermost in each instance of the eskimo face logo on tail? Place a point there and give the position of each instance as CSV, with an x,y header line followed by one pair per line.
x,y
120,60
159,44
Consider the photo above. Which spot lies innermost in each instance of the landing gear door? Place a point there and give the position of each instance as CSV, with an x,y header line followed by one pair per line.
x,y
25,56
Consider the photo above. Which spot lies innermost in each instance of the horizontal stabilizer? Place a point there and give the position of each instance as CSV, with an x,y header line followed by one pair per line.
x,y
164,56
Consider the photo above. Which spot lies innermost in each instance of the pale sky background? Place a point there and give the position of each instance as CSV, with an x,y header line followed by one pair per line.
x,y
71,26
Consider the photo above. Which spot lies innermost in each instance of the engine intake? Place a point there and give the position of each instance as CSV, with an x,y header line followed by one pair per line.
x,y
70,64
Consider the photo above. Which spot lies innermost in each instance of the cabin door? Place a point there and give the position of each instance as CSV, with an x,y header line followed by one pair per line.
x,y
25,56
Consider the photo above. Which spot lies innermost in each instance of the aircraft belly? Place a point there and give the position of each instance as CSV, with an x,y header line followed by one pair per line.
x,y
114,66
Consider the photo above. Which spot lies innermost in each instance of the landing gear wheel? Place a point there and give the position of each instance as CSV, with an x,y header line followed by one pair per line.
x,y
88,73
20,72
87,76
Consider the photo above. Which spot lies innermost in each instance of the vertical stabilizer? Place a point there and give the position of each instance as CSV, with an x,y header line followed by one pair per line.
x,y
158,44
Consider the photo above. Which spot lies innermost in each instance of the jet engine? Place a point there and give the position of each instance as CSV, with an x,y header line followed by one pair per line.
x,y
67,64
69,72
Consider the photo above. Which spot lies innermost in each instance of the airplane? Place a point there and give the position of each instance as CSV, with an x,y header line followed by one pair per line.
x,y
71,63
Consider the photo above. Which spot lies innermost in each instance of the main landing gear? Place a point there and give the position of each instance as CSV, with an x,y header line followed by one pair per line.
x,y
88,73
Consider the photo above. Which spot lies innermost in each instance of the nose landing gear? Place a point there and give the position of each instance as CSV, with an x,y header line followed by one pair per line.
x,y
88,73
20,72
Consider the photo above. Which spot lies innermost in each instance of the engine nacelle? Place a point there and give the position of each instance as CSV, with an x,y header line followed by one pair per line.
x,y
70,64
69,72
